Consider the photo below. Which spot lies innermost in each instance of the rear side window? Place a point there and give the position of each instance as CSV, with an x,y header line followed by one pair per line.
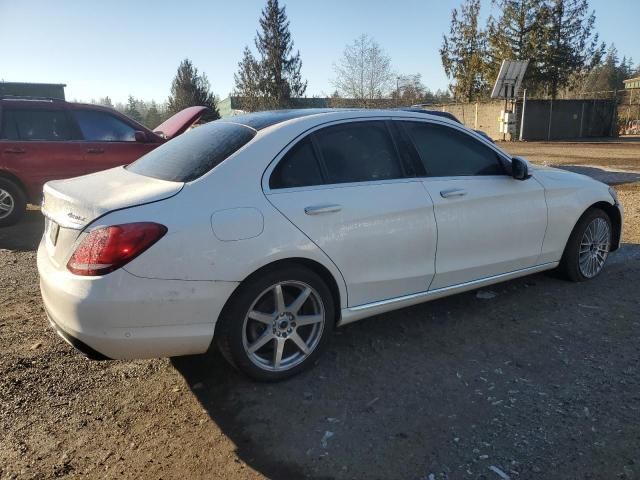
x,y
446,152
49,125
192,154
9,130
102,127
358,152
298,168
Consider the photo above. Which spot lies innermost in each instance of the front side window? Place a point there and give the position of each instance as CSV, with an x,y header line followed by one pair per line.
x,y
103,127
447,152
47,125
358,152
194,153
298,168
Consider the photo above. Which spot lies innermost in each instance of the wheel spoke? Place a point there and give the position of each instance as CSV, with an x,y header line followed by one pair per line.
x,y
277,353
261,342
261,317
4,207
298,302
3,195
297,339
303,320
279,298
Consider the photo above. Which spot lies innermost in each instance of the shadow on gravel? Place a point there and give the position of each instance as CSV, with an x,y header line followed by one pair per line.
x,y
25,235
448,387
610,177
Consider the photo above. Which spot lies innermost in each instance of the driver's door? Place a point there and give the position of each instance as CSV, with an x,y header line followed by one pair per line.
x,y
488,222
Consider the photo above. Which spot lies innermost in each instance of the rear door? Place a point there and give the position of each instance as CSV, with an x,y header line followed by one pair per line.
x,y
109,141
346,188
488,222
39,144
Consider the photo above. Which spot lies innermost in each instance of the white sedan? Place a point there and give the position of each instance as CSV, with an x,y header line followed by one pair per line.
x,y
263,232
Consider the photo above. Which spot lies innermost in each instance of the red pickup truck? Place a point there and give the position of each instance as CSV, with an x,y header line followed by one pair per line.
x,y
48,139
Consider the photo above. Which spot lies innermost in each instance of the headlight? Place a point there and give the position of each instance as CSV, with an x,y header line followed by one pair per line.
x,y
613,194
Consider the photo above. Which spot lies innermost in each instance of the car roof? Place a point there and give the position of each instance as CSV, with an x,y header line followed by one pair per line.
x,y
262,120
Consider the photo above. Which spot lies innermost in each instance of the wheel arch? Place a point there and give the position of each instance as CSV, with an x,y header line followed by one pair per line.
x,y
13,178
313,265
615,217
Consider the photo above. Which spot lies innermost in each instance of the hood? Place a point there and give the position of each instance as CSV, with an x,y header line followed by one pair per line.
x,y
180,122
76,202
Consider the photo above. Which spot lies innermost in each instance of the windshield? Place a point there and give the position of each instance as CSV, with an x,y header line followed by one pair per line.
x,y
194,153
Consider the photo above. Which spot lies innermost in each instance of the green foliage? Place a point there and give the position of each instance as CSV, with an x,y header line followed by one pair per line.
x,y
519,33
131,110
152,118
272,79
190,88
464,53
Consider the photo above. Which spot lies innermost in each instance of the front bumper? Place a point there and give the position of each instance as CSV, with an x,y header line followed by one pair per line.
x,y
122,316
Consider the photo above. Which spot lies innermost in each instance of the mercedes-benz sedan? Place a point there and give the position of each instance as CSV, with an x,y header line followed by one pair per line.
x,y
261,233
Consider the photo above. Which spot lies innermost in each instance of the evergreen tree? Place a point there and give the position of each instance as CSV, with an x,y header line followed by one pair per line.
x,y
569,45
519,33
190,88
274,78
106,101
152,119
464,53
247,80
131,110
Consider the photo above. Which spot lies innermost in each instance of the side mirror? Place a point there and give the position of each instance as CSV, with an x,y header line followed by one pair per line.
x,y
140,136
519,168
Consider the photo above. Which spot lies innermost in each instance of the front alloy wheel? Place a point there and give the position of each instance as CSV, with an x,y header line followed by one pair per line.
x,y
588,247
276,323
594,247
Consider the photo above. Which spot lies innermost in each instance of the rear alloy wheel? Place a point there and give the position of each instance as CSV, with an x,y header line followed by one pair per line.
x,y
588,246
12,203
276,325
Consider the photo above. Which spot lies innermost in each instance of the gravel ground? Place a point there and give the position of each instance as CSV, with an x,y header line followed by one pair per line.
x,y
534,378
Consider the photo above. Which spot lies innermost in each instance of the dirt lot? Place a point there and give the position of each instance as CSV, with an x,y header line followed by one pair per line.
x,y
540,381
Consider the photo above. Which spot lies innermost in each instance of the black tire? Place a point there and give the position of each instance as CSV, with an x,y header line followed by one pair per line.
x,y
230,330
570,263
13,194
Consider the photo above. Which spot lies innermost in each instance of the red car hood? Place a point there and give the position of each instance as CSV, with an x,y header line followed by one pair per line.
x,y
180,122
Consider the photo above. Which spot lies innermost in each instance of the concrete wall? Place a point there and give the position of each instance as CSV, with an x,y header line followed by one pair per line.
x,y
544,119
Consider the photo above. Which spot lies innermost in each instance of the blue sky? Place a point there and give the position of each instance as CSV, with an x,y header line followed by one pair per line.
x,y
119,47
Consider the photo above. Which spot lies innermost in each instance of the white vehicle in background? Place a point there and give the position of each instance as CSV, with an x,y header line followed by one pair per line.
x,y
265,231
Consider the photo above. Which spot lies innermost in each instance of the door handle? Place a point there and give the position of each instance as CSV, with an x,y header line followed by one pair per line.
x,y
95,150
454,192
14,150
320,209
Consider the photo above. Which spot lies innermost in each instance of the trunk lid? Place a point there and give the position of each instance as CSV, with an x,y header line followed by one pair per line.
x,y
70,205
76,202
180,122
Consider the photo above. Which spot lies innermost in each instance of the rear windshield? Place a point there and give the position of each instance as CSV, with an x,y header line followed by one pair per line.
x,y
194,153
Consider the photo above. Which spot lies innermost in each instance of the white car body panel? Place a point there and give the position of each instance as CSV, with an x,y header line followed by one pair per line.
x,y
398,214
394,243
493,207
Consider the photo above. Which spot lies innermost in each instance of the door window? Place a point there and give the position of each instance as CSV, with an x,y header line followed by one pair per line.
x,y
447,152
358,152
48,125
103,127
298,168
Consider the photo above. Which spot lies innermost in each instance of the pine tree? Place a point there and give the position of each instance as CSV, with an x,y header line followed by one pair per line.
x,y
518,34
464,53
569,45
273,79
190,88
152,119
106,101
131,110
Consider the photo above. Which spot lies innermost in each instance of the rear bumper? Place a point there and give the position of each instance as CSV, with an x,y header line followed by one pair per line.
x,y
121,316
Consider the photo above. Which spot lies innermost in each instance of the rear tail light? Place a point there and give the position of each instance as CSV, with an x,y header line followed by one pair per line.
x,y
107,249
